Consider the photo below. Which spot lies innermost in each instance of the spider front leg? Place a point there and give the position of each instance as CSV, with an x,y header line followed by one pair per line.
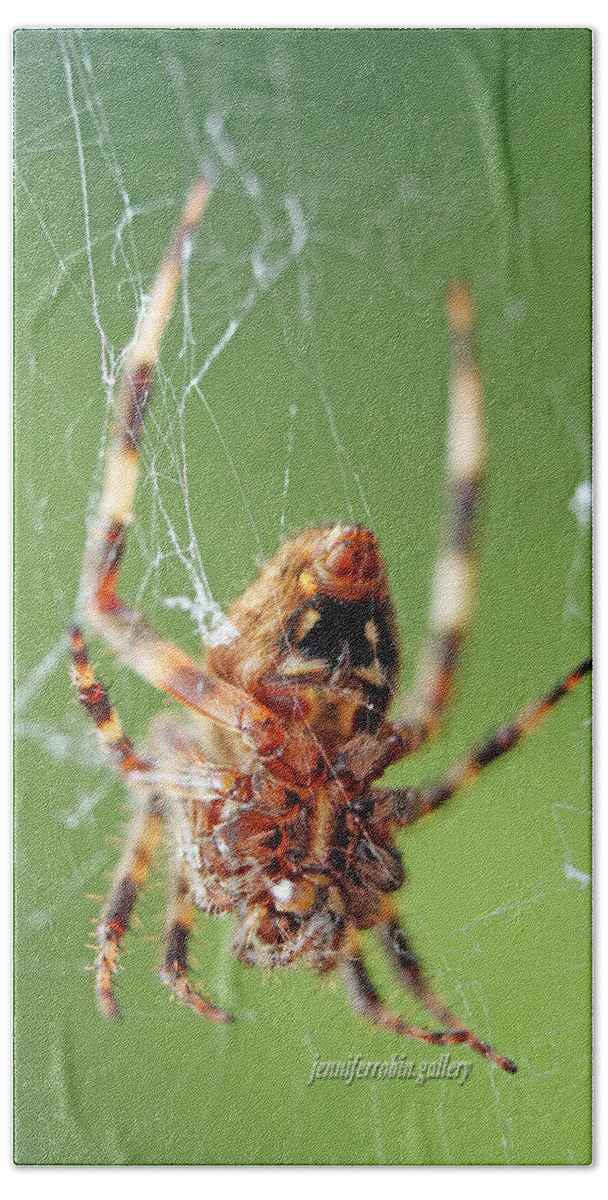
x,y
453,596
174,971
122,627
95,699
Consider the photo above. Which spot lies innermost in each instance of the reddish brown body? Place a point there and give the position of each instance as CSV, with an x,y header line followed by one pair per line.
x,y
283,845
268,792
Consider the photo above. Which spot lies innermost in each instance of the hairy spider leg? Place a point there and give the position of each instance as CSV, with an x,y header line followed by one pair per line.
x,y
95,699
174,971
365,1000
406,805
411,974
403,806
138,644
143,839
454,586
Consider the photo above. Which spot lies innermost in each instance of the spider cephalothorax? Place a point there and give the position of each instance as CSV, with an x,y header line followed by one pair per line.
x,y
268,789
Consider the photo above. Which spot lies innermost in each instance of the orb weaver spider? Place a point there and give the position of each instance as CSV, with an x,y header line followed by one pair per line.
x,y
269,794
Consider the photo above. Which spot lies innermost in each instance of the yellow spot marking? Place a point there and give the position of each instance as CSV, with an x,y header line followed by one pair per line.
x,y
346,713
181,911
85,675
145,850
306,622
307,583
371,633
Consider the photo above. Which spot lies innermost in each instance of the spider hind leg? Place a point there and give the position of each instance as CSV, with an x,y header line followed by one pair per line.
x,y
410,973
366,1001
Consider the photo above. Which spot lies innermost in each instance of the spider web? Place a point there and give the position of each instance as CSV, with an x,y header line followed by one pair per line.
x,y
261,270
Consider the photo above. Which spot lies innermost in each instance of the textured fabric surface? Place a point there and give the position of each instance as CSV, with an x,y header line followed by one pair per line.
x,y
303,380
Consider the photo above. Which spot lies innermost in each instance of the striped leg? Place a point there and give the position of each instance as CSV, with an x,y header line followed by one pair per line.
x,y
95,699
411,975
406,805
365,1000
138,644
143,839
174,971
107,541
453,597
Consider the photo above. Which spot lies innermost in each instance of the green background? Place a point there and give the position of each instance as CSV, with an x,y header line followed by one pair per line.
x,y
405,158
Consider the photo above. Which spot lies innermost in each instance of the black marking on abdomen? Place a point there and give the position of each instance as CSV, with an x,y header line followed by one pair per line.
x,y
340,634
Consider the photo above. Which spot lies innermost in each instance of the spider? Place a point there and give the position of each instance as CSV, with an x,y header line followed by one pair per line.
x,y
269,792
